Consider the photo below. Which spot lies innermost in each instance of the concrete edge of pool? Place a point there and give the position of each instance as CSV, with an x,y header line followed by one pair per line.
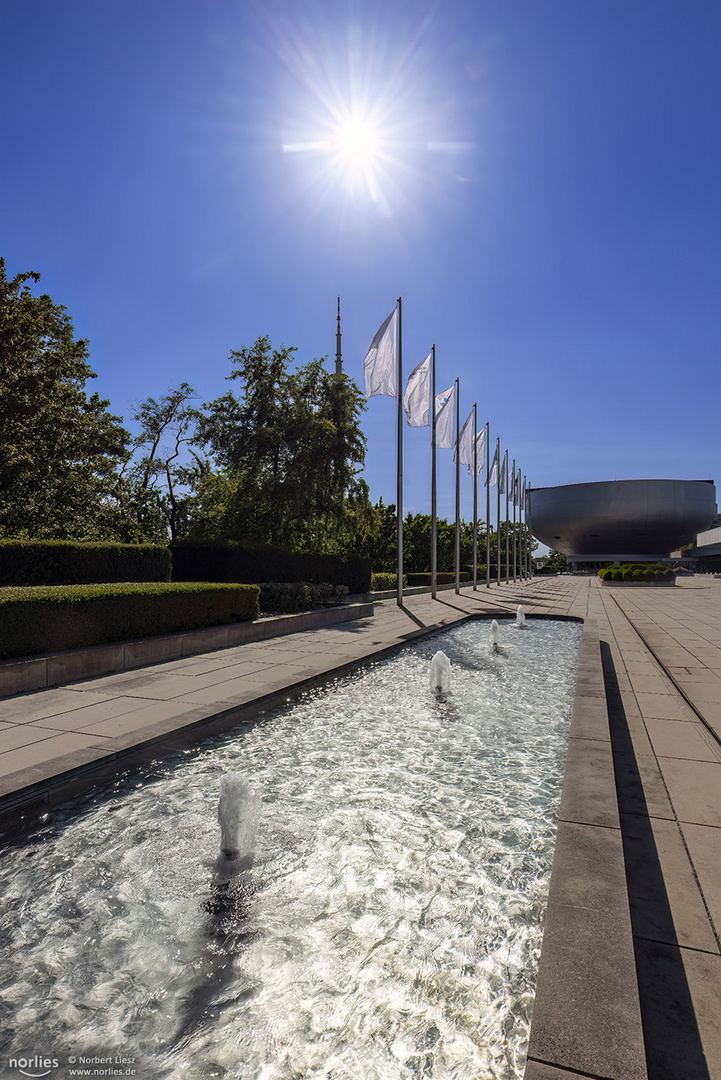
x,y
586,1019
586,1016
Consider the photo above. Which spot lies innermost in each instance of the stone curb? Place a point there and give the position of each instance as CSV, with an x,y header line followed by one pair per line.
x,y
54,669
587,1016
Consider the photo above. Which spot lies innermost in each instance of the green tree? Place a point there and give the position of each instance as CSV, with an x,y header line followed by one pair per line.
x,y
158,476
287,453
557,561
59,448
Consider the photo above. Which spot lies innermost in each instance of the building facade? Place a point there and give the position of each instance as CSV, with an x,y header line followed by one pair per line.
x,y
619,521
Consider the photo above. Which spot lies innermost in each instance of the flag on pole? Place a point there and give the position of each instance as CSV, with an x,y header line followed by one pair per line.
x,y
463,449
493,474
444,418
502,478
380,362
480,453
518,488
417,398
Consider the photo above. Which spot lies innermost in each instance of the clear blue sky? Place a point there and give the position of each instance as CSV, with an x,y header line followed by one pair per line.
x,y
539,180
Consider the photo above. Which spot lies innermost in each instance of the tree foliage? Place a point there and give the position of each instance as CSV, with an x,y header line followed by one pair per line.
x,y
59,448
287,452
158,476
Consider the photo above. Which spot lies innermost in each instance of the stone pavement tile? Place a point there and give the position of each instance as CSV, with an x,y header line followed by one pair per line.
x,y
680,991
704,845
58,746
664,897
149,685
16,735
664,707
538,1070
589,792
81,719
683,739
238,691
694,788
42,703
640,786
144,718
636,728
651,683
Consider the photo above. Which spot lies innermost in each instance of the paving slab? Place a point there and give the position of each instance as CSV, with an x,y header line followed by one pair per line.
x,y
704,848
665,900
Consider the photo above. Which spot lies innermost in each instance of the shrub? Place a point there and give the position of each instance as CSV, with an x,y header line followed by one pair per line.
x,y
285,597
61,562
50,618
383,581
443,577
236,562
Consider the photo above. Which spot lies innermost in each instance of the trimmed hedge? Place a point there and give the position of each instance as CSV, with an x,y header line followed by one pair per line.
x,y
382,581
234,562
442,577
51,618
65,562
637,572
287,596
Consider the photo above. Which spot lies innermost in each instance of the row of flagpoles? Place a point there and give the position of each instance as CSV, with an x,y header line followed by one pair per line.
x,y
383,369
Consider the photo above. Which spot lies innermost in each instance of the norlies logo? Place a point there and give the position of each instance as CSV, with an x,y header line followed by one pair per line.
x,y
34,1066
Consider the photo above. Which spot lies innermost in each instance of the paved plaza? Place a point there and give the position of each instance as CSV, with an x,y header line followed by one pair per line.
x,y
648,730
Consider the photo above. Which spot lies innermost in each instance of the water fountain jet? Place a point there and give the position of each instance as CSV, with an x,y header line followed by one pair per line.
x,y
495,635
520,616
238,815
440,673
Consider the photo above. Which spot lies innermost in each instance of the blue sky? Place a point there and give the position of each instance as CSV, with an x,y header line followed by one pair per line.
x,y
538,179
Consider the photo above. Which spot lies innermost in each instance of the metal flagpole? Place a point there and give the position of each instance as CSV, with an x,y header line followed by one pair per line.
x,y
508,538
498,511
399,497
458,488
488,507
515,538
525,531
475,500
434,560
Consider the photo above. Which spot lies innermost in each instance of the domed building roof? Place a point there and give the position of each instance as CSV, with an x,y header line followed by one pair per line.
x,y
621,520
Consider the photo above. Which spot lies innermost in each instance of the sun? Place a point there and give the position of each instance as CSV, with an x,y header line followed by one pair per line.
x,y
358,140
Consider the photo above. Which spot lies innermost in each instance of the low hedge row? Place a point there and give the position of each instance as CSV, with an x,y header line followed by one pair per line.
x,y
287,596
382,581
62,562
234,562
442,577
52,618
637,572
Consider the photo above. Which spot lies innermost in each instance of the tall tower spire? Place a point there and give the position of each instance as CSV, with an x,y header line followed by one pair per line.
x,y
338,363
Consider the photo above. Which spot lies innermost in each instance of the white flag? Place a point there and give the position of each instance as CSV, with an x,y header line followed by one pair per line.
x,y
444,418
380,363
503,475
493,474
417,398
517,492
480,453
463,450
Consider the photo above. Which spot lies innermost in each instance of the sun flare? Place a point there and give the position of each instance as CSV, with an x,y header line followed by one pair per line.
x,y
358,140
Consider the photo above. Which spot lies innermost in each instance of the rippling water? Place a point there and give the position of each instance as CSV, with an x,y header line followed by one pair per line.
x,y
391,924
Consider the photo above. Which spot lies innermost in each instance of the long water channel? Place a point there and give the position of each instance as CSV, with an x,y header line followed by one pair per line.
x,y
390,923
